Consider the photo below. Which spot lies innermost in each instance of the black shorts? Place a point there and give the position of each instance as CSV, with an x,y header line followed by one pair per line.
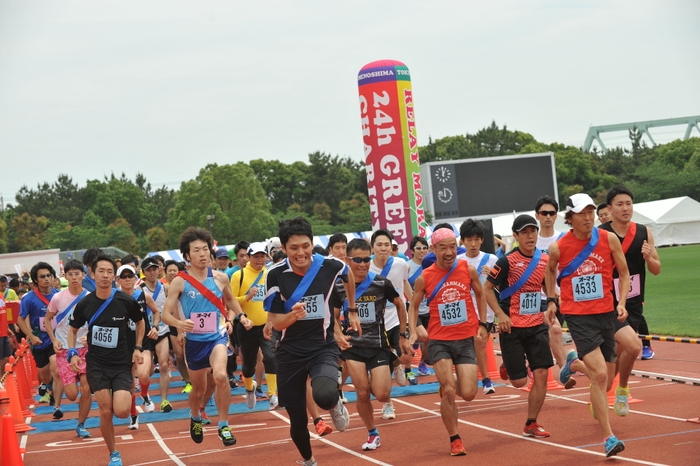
x,y
459,351
594,331
634,315
423,320
173,331
293,371
394,336
158,340
530,341
112,378
372,357
5,348
41,356
560,316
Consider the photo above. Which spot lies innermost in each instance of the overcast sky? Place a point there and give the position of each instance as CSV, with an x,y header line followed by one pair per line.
x,y
165,87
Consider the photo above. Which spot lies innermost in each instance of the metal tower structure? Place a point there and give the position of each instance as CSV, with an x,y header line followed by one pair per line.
x,y
594,132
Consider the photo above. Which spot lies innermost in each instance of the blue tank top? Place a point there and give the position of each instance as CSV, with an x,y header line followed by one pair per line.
x,y
206,317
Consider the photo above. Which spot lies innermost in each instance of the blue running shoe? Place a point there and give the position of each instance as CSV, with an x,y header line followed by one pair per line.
x,y
82,431
613,446
411,377
647,353
565,372
423,369
115,459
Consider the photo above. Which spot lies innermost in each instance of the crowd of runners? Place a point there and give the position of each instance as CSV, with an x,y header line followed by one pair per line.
x,y
303,319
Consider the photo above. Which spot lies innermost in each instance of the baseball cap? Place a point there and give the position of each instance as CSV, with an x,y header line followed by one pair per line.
x,y
221,252
394,243
273,242
522,221
125,267
577,202
255,248
148,263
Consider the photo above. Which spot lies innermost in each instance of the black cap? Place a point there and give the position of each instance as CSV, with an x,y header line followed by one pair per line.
x,y
522,221
149,262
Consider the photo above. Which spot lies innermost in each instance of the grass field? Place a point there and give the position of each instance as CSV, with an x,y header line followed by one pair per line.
x,y
672,299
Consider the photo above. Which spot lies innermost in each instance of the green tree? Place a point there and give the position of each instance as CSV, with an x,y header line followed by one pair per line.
x,y
284,184
156,240
60,201
29,232
119,234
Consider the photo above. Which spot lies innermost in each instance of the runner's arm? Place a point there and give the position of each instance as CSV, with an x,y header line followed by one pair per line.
x,y
621,265
651,256
418,294
550,281
177,286
353,317
233,305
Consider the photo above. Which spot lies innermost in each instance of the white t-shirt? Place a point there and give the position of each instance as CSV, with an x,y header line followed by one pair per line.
x,y
423,307
474,262
160,303
543,245
397,275
58,304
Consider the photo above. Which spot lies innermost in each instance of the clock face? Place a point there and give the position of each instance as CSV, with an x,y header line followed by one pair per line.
x,y
443,174
445,195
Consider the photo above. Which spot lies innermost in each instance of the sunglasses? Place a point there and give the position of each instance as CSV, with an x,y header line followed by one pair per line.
x,y
126,276
359,260
420,248
548,213
46,275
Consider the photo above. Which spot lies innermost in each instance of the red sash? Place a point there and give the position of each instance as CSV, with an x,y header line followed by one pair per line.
x,y
41,297
206,292
629,237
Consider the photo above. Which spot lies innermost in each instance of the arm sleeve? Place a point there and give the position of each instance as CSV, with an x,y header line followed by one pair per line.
x,y
77,319
499,273
24,306
134,312
389,291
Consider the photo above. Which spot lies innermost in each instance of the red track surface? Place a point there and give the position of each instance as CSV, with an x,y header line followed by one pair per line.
x,y
655,432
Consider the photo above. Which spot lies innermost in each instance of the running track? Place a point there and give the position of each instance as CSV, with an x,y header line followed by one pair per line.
x,y
656,431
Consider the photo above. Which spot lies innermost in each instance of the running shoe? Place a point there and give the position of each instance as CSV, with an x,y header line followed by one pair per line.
x,y
157,369
307,462
342,396
535,430
165,406
57,413
148,405
388,411
502,371
196,431
52,400
274,402
232,382
647,353
411,377
322,428
226,436
423,369
188,388
613,446
457,448
566,338
134,423
372,443
622,406
115,459
571,383
400,375
259,393
488,387
250,398
565,372
340,416
82,431
205,417
42,391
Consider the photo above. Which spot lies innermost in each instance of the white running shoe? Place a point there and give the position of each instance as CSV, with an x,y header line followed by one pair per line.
x,y
372,443
148,405
340,416
388,411
274,402
134,423
250,399
400,375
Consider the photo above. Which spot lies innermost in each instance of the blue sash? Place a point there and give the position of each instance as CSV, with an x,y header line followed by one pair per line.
x,y
159,286
65,312
255,283
580,257
412,279
102,308
483,262
442,282
387,268
360,290
305,282
508,291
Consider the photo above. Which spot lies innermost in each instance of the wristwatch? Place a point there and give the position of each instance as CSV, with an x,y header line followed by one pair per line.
x,y
551,300
484,324
140,348
406,334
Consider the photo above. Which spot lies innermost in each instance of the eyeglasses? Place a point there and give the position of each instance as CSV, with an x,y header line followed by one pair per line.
x,y
46,275
359,260
548,213
420,248
126,276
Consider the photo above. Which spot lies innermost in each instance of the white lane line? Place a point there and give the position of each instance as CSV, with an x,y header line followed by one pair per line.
x,y
163,446
643,413
335,445
528,439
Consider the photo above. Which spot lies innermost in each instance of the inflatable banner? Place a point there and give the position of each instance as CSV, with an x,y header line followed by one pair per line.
x,y
391,150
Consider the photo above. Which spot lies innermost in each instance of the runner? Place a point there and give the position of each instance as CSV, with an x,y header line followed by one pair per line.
x,y
419,249
519,276
109,359
371,351
58,315
584,260
206,325
298,293
454,322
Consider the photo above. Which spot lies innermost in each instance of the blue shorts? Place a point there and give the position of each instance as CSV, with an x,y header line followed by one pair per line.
x,y
197,352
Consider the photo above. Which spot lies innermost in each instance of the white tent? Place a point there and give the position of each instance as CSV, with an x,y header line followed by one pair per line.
x,y
672,221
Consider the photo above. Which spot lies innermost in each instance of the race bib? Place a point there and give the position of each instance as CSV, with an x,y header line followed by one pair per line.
x,y
42,325
453,313
366,313
587,287
260,295
530,303
204,322
106,337
314,306
635,286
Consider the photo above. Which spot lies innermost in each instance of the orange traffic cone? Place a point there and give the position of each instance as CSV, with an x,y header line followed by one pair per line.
x,y
34,372
15,403
22,385
551,383
491,365
10,453
416,357
612,396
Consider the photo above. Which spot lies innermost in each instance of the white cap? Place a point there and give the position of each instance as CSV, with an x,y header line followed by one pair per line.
x,y
273,242
255,248
125,267
577,202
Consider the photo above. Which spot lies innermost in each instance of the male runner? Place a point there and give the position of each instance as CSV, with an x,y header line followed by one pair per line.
x,y
61,308
298,294
109,358
584,259
206,324
369,353
419,249
454,322
519,276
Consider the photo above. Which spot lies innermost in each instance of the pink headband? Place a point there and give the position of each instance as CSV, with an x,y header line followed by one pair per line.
x,y
441,234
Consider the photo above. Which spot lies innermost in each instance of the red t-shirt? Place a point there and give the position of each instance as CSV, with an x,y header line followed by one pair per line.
x,y
589,289
452,312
